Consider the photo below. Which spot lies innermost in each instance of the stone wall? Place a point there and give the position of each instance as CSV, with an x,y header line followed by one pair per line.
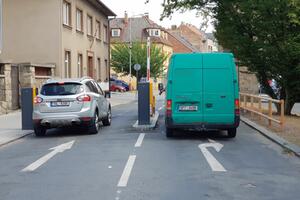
x,y
248,81
27,78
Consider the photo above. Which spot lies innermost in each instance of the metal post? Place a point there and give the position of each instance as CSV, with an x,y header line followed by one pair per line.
x,y
27,95
270,112
143,104
148,59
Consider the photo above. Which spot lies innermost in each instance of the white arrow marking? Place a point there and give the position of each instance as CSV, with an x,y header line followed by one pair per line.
x,y
58,149
212,161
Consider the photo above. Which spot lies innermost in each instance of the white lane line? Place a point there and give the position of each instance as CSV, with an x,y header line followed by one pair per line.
x,y
139,140
127,171
212,161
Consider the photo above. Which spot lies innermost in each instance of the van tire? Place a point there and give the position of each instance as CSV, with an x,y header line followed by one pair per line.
x,y
94,128
169,132
39,131
231,133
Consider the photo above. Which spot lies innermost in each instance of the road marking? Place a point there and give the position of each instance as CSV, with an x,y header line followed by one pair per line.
x,y
58,149
212,161
127,171
139,140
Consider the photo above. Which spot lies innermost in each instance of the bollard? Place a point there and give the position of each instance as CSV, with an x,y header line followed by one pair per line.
x,y
27,97
143,104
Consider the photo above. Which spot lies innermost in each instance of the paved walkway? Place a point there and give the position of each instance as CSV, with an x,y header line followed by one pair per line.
x,y
11,124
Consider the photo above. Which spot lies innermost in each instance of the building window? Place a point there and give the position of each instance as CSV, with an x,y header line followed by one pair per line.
x,y
90,25
66,13
105,38
98,27
67,64
115,32
99,69
79,20
79,65
154,32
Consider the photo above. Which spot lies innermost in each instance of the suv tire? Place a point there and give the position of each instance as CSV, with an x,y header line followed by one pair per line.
x,y
39,131
107,120
94,128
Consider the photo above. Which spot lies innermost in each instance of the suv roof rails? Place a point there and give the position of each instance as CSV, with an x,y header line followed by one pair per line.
x,y
85,77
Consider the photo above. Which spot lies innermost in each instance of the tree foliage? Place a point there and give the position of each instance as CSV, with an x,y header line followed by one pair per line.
x,y
120,59
263,35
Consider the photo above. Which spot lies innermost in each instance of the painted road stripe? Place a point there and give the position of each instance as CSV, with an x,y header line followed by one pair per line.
x,y
127,171
212,161
139,140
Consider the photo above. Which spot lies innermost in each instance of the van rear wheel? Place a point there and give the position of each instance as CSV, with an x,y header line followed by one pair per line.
x,y
231,133
169,132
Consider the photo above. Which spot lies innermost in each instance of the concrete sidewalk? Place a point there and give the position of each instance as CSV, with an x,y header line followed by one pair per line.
x,y
11,124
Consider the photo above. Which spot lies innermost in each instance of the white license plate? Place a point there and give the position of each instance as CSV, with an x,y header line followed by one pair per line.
x,y
188,108
59,103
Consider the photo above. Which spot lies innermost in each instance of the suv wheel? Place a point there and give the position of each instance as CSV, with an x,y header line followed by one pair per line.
x,y
95,124
107,120
231,133
39,131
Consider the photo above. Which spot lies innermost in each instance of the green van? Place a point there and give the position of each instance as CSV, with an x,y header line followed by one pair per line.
x,y
202,93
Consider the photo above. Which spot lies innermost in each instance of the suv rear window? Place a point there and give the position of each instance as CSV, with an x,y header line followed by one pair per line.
x,y
56,89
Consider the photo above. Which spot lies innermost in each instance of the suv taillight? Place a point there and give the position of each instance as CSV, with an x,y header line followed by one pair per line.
x,y
37,100
169,108
237,106
84,98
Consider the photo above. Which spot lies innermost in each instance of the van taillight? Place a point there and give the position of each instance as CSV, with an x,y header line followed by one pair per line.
x,y
169,105
169,108
84,98
37,100
237,106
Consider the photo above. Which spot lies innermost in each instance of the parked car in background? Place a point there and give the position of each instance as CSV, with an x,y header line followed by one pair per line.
x,y
114,87
121,83
71,102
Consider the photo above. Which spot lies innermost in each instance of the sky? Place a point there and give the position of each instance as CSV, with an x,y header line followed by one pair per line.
x,y
154,8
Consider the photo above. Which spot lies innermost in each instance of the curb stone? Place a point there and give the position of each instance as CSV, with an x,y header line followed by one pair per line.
x,y
272,136
152,125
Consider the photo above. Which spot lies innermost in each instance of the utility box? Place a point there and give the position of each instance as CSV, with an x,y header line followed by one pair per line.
x,y
27,95
143,103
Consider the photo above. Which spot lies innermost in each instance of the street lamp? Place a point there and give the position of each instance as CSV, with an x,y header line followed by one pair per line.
x,y
130,46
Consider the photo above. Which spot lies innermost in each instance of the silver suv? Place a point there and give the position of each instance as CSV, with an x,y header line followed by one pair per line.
x,y
71,102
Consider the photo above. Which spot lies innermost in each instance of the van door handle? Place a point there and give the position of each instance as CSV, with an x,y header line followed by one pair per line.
x,y
223,97
208,105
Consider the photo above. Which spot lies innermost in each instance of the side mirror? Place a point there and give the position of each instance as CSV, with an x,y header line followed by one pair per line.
x,y
161,88
107,94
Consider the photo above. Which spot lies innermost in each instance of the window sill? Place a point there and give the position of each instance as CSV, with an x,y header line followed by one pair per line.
x,y
67,26
90,37
80,32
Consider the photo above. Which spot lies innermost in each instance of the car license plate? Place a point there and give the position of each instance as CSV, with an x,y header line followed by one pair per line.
x,y
188,108
59,103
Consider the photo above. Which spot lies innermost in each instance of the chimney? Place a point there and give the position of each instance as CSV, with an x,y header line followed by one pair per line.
x,y
173,27
146,14
125,18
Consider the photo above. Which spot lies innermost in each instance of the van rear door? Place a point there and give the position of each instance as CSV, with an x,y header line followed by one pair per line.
x,y
218,89
186,89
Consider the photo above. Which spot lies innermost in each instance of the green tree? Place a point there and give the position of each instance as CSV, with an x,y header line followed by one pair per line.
x,y
120,59
263,35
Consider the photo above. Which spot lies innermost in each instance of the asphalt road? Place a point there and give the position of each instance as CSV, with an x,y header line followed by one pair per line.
x,y
121,163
